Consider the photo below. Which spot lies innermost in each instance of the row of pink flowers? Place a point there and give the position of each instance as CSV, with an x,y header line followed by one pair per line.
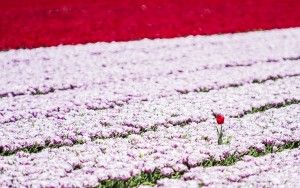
x,y
97,76
110,95
273,170
168,149
45,68
172,110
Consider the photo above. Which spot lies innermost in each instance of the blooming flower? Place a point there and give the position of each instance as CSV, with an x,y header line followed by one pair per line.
x,y
220,119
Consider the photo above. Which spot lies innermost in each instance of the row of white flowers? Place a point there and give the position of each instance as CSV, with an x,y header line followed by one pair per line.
x,y
274,170
135,70
168,149
45,68
135,117
59,103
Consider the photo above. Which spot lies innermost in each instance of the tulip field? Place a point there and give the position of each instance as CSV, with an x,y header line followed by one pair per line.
x,y
140,113
169,94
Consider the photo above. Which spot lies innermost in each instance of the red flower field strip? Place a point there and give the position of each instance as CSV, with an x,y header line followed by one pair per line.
x,y
32,23
168,150
44,70
147,115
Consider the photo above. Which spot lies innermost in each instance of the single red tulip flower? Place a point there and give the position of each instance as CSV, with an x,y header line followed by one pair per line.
x,y
220,119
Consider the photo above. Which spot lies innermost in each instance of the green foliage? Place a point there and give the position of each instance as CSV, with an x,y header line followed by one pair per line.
x,y
142,179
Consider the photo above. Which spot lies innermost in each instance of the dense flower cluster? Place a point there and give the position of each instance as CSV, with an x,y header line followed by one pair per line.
x,y
97,76
168,149
75,116
135,117
280,169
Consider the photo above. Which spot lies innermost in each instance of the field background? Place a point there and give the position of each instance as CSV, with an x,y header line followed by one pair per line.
x,y
140,112
36,23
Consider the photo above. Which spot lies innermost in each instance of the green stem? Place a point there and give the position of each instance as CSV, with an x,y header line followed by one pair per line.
x,y
220,136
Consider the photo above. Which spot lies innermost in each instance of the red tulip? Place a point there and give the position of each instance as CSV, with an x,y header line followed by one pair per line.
x,y
220,119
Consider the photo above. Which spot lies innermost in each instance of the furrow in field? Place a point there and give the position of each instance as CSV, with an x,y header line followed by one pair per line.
x,y
148,115
45,70
278,169
167,150
60,104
